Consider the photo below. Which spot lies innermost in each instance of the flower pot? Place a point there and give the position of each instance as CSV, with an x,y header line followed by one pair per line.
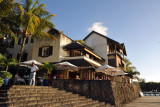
x,y
6,80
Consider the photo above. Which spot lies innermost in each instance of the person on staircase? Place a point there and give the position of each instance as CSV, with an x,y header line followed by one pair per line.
x,y
34,69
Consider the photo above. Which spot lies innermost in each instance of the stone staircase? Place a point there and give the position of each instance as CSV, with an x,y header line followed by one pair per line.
x,y
42,96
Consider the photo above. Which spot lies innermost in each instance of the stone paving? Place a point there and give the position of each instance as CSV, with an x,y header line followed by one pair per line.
x,y
146,101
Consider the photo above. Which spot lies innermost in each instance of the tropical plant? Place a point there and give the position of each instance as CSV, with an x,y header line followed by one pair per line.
x,y
1,81
7,62
34,19
48,67
131,70
5,74
9,23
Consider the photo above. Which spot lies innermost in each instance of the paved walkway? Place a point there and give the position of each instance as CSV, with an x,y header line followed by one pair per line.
x,y
146,101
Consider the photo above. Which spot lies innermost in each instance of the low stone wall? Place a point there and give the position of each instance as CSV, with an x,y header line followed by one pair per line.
x,y
114,93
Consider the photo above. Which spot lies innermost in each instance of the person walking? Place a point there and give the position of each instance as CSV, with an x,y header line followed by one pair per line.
x,y
34,69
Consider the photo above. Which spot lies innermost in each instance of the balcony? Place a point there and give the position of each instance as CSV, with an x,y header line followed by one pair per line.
x,y
93,62
115,59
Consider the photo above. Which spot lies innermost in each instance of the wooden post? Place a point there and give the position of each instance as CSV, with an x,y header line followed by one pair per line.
x,y
115,48
67,74
89,76
93,75
81,74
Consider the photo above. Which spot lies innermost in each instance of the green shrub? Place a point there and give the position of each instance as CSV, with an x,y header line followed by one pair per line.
x,y
5,74
1,81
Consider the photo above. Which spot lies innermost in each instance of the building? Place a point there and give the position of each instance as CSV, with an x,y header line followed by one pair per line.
x,y
97,51
112,51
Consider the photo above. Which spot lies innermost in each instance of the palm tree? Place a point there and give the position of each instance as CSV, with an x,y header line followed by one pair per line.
x,y
131,70
48,67
34,19
4,75
7,62
9,11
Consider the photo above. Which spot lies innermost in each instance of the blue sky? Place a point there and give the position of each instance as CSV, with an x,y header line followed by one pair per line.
x,y
133,22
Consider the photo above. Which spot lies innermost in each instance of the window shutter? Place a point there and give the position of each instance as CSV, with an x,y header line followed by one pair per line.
x,y
50,50
19,41
26,41
40,52
25,56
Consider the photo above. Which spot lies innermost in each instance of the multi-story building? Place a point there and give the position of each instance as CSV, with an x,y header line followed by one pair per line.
x,y
97,51
112,51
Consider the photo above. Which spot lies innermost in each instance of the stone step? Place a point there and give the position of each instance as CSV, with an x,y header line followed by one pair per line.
x,y
31,88
42,96
59,104
78,104
27,98
56,101
30,91
28,86
34,94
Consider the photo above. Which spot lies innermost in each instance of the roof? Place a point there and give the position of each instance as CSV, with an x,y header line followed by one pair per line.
x,y
121,45
100,35
74,45
79,62
54,31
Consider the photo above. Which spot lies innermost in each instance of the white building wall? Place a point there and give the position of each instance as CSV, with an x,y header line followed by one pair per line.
x,y
63,41
46,42
28,48
99,44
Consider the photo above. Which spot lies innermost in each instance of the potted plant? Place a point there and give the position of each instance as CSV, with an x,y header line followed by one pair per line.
x,y
48,67
6,76
6,63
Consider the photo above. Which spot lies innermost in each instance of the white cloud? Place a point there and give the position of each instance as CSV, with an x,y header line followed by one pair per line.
x,y
98,27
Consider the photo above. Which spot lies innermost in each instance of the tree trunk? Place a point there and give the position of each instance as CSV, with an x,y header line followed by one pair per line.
x,y
6,68
22,48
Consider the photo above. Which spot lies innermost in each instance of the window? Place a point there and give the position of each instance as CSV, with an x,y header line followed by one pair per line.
x,y
45,51
23,58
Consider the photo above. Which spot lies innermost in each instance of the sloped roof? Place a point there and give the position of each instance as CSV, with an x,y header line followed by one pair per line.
x,y
78,62
54,31
121,45
74,45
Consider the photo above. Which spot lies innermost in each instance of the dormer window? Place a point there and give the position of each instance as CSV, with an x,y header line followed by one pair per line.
x,y
45,51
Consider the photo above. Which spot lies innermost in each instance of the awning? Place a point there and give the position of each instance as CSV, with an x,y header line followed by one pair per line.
x,y
81,63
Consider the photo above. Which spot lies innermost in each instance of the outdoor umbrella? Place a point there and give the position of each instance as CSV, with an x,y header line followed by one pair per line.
x,y
121,74
66,66
30,62
107,69
116,72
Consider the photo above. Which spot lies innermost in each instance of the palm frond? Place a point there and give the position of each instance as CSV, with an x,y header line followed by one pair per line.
x,y
28,4
37,2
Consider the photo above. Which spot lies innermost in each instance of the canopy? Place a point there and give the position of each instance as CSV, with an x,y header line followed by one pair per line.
x,y
107,69
120,74
66,66
30,62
